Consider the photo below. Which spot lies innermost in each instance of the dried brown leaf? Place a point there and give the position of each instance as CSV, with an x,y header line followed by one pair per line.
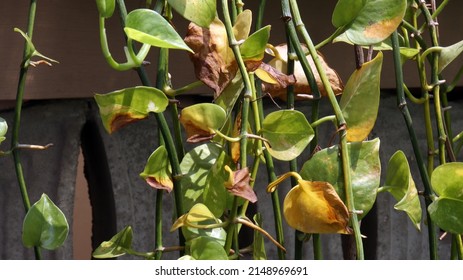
x,y
238,184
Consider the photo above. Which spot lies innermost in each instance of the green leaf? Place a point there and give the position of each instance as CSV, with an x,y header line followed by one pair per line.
x,y
201,12
448,54
258,245
360,100
206,248
382,46
157,172
407,54
447,210
3,129
370,22
253,48
400,184
117,246
288,133
45,225
326,166
202,120
106,7
195,167
148,27
121,107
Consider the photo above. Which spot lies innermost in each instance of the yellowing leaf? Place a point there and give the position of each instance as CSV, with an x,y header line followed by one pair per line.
x,y
157,171
315,207
197,214
242,25
201,121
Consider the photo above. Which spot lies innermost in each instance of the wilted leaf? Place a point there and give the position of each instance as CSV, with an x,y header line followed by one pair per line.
x,y
288,133
447,210
157,172
117,246
44,225
325,166
201,12
148,27
369,22
202,120
400,184
301,86
121,107
360,100
238,184
3,129
448,54
206,248
315,207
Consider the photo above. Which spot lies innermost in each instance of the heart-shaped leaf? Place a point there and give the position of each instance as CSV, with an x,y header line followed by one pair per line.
x,y
118,245
325,166
315,207
400,184
121,107
201,12
3,129
447,210
201,121
45,225
369,22
157,172
360,100
148,27
106,7
288,133
206,248
448,54
253,48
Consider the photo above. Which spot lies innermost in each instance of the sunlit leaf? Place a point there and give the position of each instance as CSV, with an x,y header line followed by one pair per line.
x,y
258,245
242,26
301,85
157,172
3,129
201,12
400,184
202,120
315,207
253,48
385,45
117,246
447,210
148,27
106,7
206,248
186,258
360,100
288,133
369,22
121,107
448,54
325,166
215,194
44,225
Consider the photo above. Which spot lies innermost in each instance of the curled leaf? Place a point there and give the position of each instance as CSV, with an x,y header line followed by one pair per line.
x,y
238,184
315,207
301,86
117,246
157,171
202,120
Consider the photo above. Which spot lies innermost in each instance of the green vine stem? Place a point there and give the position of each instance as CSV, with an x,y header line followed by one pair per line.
x,y
402,104
17,117
340,122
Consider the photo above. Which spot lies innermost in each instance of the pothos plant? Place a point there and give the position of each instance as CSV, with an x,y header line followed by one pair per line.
x,y
334,189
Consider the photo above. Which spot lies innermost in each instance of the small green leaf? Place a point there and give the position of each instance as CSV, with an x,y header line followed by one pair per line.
x,y
400,184
447,213
360,100
447,180
148,27
258,245
206,248
202,120
3,129
288,133
326,166
370,22
106,7
407,54
253,48
45,225
117,246
121,107
157,172
448,54
201,12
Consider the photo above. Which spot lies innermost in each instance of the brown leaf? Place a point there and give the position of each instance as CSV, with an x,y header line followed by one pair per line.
x,y
162,184
302,87
238,184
